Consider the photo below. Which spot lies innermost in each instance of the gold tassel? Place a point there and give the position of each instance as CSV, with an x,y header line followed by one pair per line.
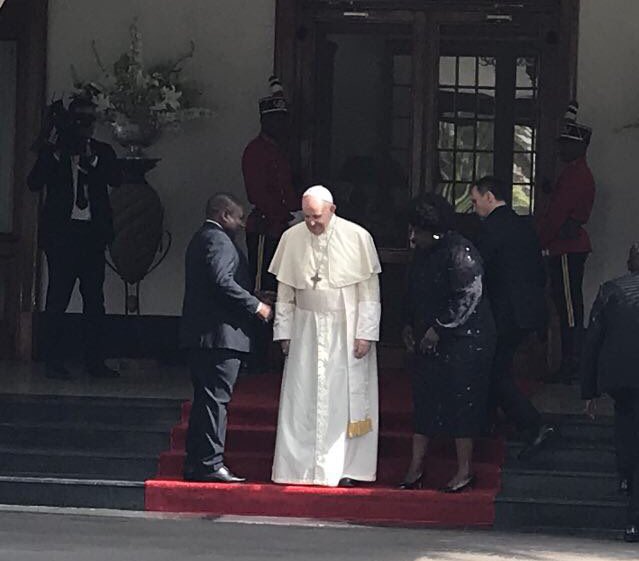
x,y
359,428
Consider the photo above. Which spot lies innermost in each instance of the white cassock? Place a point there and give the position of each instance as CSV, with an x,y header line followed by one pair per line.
x,y
328,418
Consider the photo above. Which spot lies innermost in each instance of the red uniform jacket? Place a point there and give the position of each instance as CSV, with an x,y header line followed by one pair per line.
x,y
560,227
269,187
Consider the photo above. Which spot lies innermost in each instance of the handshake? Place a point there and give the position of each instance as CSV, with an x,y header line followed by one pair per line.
x,y
265,309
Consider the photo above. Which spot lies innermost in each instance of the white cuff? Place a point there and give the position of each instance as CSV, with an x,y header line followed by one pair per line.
x,y
283,324
368,318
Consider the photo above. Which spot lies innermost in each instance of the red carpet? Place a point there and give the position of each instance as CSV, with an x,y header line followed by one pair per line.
x,y
250,443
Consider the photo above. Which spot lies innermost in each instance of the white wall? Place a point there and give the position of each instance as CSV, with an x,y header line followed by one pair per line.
x,y
232,63
608,94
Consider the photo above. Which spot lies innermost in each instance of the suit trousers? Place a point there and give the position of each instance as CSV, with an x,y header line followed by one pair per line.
x,y
75,256
504,392
566,279
627,443
213,373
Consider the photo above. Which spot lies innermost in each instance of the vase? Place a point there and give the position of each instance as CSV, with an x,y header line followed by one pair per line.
x,y
138,217
135,136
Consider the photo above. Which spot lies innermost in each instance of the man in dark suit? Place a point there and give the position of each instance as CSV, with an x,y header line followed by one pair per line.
x,y
75,227
610,365
218,316
515,283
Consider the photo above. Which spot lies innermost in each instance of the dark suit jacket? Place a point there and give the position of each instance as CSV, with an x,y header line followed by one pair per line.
x,y
514,271
610,358
219,312
57,176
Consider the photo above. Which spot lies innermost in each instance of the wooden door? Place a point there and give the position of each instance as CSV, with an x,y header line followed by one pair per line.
x,y
22,76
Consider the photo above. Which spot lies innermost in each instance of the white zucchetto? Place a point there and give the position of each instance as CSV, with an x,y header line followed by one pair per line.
x,y
320,192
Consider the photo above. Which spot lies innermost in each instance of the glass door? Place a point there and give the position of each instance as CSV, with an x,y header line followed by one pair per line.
x,y
487,123
364,125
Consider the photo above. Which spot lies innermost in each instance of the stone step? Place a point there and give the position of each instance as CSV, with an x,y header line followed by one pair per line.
x,y
564,454
73,463
537,484
74,436
587,432
520,513
58,409
72,492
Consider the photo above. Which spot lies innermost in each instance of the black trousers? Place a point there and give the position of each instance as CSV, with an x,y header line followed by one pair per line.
x,y
504,393
566,278
269,282
76,256
213,373
263,336
627,444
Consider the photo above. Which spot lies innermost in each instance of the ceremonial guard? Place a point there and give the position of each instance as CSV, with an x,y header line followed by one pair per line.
x,y
269,188
564,239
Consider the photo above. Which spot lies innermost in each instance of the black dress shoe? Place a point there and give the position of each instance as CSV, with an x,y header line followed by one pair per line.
x,y
631,533
459,487
101,370
221,475
57,371
546,432
347,482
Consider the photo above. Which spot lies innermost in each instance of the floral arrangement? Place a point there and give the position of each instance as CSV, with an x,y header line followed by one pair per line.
x,y
128,94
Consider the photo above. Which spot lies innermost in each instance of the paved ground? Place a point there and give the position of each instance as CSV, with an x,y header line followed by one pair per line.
x,y
81,536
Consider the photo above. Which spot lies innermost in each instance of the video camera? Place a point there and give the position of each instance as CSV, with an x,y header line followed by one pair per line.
x,y
67,129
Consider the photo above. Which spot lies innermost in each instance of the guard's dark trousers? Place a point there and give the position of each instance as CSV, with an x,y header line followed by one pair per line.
x,y
566,278
260,359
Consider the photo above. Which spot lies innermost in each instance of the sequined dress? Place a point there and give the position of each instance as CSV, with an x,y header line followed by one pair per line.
x,y
450,385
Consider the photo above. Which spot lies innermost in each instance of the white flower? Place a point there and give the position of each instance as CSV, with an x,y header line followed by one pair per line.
x,y
170,100
102,103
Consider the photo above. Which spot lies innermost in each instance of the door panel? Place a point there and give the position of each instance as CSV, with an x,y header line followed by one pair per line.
x,y
364,126
22,80
488,122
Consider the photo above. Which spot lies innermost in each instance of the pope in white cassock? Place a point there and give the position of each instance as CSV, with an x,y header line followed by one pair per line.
x,y
327,320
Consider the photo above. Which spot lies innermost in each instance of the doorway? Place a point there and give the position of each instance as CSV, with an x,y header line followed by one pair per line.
x,y
393,99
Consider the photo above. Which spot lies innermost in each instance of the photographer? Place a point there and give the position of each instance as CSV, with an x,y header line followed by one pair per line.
x,y
75,227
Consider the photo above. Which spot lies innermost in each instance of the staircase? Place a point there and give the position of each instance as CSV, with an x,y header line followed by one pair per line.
x,y
249,452
81,451
570,486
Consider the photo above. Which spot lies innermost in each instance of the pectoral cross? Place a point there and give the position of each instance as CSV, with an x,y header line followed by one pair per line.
x,y
316,278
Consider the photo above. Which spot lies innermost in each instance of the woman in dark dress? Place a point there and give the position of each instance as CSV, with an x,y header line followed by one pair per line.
x,y
451,336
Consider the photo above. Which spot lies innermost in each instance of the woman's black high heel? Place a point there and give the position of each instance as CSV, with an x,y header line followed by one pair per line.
x,y
470,481
416,484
